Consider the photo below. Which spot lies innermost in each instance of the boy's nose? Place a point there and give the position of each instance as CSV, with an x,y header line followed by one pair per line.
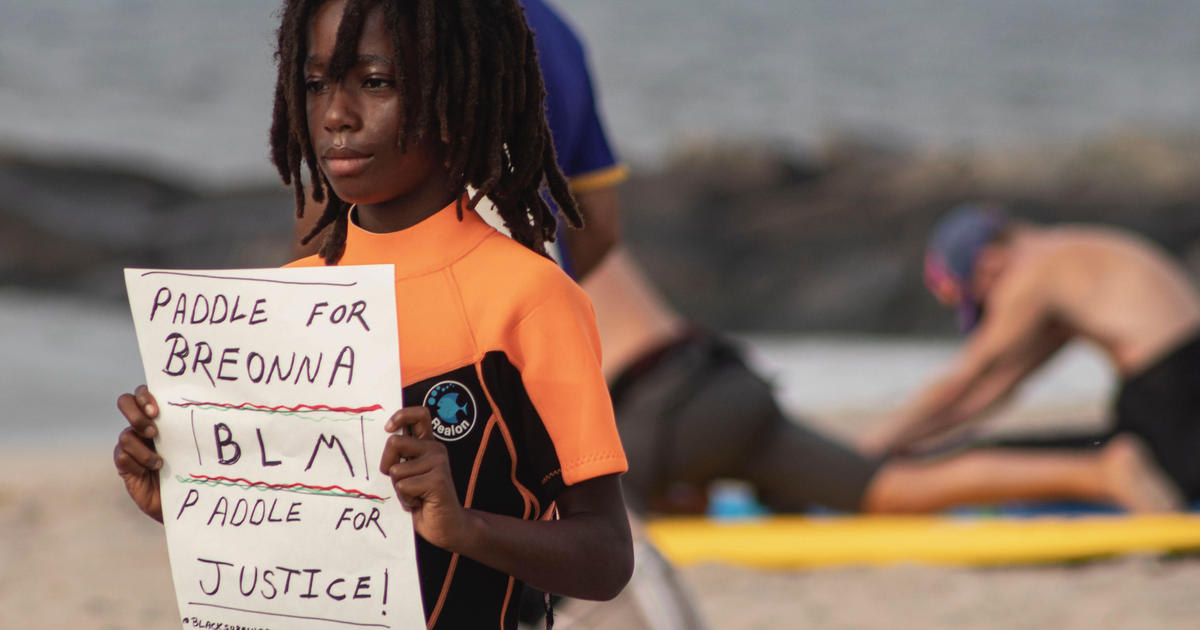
x,y
340,114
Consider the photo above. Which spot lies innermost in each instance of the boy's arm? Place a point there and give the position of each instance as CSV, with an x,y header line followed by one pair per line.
x,y
586,554
601,232
1014,337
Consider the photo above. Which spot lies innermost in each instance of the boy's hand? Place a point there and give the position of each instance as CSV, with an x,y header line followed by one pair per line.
x,y
420,470
137,461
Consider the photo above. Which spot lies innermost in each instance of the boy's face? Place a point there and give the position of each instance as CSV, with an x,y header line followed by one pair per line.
x,y
355,124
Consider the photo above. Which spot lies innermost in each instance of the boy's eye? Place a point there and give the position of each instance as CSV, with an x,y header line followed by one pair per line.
x,y
314,86
377,83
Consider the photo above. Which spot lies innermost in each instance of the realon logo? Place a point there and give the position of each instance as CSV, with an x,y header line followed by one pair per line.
x,y
453,409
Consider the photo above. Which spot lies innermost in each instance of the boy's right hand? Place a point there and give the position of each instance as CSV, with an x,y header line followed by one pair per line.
x,y
137,461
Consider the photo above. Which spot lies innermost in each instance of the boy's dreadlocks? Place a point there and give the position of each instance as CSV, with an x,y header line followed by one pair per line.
x,y
479,89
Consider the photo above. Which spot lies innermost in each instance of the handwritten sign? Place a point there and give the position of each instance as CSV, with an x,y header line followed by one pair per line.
x,y
274,386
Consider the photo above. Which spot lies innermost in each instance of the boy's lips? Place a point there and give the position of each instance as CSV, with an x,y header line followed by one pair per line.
x,y
345,162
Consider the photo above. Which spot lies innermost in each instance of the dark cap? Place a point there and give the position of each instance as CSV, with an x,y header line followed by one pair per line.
x,y
954,247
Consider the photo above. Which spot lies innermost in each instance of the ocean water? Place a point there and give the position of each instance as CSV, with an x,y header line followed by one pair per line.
x,y
65,360
185,87
63,363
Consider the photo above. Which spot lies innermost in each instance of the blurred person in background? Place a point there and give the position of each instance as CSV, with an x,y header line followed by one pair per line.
x,y
689,407
1022,291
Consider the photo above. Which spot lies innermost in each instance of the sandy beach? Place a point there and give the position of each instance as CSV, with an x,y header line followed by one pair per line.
x,y
75,553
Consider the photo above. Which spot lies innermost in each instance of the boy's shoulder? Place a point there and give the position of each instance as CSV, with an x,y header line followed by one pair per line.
x,y
502,257
504,267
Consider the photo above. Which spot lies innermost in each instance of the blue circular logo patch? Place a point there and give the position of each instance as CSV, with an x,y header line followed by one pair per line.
x,y
453,410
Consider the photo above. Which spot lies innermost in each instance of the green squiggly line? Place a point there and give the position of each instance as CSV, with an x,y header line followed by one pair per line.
x,y
305,415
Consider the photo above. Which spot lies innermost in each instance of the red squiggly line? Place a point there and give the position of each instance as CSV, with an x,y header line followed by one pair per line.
x,y
246,405
280,486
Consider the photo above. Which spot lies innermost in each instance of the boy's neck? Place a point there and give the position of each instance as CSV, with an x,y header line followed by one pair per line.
x,y
405,211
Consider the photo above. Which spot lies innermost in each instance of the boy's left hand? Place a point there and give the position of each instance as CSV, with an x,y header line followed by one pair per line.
x,y
420,470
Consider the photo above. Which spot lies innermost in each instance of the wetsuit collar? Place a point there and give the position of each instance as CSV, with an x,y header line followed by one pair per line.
x,y
431,244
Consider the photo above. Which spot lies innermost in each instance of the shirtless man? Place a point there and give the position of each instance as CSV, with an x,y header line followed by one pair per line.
x,y
1023,291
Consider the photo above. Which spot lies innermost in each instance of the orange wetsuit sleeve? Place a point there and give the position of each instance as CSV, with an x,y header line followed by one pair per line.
x,y
557,350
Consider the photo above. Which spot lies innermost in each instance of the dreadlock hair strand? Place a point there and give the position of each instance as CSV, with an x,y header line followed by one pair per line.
x,y
392,16
426,31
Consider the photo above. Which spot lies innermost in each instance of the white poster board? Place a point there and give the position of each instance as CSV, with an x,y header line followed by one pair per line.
x,y
274,386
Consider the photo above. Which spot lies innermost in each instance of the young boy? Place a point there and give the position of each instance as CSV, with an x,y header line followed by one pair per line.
x,y
396,108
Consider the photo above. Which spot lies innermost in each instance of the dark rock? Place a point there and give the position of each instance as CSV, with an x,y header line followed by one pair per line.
x,y
74,228
740,236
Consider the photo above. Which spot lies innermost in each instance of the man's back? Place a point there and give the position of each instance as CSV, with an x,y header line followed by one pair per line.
x,y
1111,287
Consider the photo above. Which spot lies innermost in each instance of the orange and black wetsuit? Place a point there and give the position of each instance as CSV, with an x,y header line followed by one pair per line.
x,y
502,347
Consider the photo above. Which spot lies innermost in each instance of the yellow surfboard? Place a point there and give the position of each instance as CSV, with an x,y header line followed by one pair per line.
x,y
786,542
